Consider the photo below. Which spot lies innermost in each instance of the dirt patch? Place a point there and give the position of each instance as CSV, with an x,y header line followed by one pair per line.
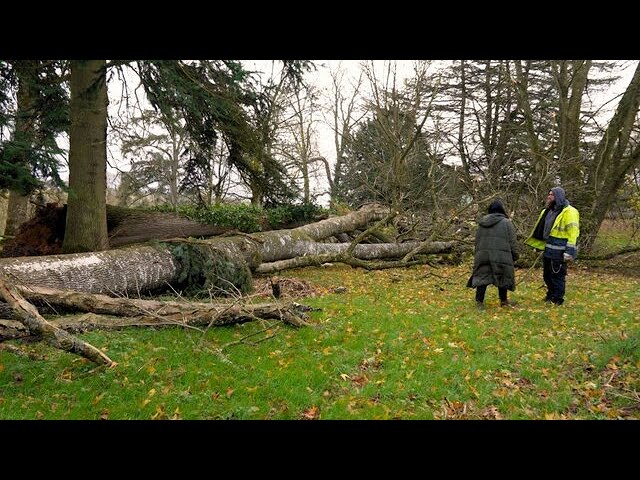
x,y
42,235
285,287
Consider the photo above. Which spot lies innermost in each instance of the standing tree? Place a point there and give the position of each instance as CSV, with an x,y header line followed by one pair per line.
x,y
388,159
155,146
41,115
617,155
86,224
299,148
344,118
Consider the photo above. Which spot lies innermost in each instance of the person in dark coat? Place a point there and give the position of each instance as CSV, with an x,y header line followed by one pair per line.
x,y
496,249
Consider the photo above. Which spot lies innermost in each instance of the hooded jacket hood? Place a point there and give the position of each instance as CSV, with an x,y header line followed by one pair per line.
x,y
560,198
559,203
491,219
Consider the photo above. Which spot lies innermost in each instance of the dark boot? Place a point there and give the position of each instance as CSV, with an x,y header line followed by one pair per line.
x,y
508,303
479,305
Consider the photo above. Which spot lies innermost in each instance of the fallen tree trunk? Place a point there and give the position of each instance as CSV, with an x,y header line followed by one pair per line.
x,y
152,267
129,225
323,253
43,234
31,319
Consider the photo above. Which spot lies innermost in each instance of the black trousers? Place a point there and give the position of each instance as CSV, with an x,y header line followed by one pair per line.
x,y
555,277
481,290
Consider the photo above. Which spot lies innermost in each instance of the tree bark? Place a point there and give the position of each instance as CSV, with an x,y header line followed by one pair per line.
x,y
136,269
17,212
128,225
86,227
614,158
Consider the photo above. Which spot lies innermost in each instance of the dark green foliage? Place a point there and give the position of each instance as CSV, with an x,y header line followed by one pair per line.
x,y
209,96
213,98
8,84
205,268
15,175
245,218
248,218
32,152
294,70
293,214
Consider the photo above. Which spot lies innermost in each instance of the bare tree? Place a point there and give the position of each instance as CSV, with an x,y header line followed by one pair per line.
x,y
346,112
386,155
154,145
298,142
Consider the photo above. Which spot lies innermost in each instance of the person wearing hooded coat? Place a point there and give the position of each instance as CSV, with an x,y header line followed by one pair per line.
x,y
556,232
496,249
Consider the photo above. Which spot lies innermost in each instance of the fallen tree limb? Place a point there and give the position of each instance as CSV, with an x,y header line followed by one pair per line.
x,y
146,313
609,256
56,337
19,352
361,253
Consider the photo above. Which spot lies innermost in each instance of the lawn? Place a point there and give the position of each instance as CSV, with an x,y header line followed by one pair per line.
x,y
392,344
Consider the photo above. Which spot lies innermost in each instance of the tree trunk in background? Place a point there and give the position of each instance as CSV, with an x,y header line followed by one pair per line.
x,y
4,200
86,225
17,212
571,78
613,160
18,207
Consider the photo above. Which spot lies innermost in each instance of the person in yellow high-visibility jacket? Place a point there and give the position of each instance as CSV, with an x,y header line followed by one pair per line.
x,y
556,232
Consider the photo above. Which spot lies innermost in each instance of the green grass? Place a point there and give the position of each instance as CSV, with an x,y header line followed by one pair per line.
x,y
405,344
615,235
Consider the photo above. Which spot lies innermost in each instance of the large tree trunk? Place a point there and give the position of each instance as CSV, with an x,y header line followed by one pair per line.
x,y
86,228
615,157
17,212
128,225
132,270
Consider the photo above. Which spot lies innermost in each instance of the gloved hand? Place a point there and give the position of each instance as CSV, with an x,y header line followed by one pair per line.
x,y
567,258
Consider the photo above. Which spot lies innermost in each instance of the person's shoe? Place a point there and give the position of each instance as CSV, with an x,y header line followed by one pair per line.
x,y
557,301
508,303
480,305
